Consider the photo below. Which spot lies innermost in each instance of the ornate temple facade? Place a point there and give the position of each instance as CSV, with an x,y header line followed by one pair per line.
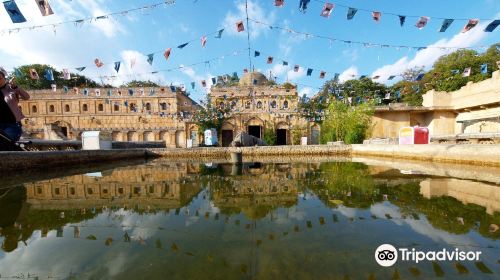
x,y
258,105
126,114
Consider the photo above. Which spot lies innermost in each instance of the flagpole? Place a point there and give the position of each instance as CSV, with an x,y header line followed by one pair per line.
x,y
248,37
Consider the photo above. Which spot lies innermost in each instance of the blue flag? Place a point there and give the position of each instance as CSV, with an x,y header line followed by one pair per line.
x,y
65,89
182,46
445,25
219,35
80,68
455,71
256,53
117,66
391,77
336,77
130,91
15,14
18,73
285,63
85,91
351,12
402,20
193,84
484,68
213,81
172,88
150,58
49,75
309,71
492,25
419,77
303,5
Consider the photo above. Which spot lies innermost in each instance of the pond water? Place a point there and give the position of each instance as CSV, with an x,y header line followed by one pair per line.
x,y
303,220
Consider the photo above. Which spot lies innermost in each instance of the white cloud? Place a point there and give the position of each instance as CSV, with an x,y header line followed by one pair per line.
x,y
292,75
197,78
278,69
127,73
428,56
349,74
351,54
307,91
255,12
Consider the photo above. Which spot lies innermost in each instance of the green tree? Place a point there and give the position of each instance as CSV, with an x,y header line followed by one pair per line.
x,y
409,89
346,123
210,115
24,79
270,135
136,83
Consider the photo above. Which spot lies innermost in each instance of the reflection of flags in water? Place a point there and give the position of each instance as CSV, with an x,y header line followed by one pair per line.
x,y
446,23
203,41
15,14
484,68
44,7
492,26
471,24
422,22
239,26
467,72
327,10
34,74
166,54
376,16
66,74
351,12
402,20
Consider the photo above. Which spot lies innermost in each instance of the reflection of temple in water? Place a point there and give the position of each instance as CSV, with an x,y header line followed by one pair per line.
x,y
164,186
479,193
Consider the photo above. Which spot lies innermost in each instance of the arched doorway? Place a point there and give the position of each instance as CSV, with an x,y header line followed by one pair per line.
x,y
180,139
315,130
227,134
255,127
282,134
117,136
132,136
148,136
193,135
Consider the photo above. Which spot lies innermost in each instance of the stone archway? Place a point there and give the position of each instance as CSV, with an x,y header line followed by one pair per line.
x,y
255,127
148,136
227,133
132,136
282,133
193,135
117,136
180,139
315,132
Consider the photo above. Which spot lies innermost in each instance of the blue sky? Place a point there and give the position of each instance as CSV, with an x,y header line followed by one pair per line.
x,y
134,35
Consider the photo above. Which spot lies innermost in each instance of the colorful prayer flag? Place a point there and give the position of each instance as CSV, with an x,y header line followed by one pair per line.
x,y
376,77
66,74
402,20
269,60
219,34
327,10
44,7
279,3
172,89
419,77
256,53
166,54
376,16
484,68
203,41
471,24
351,12
193,85
98,63
117,66
214,81
309,71
49,75
285,63
239,26
182,45
492,26
203,83
467,72
245,70
422,22
446,23
150,58
322,74
391,77
303,5
296,68
15,14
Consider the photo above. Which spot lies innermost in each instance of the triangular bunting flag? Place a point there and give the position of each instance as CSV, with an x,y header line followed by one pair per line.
x,y
219,34
327,10
80,68
182,46
117,66
203,41
402,20
18,73
44,7
498,64
49,75
351,12
309,72
336,77
376,16
256,53
15,14
245,70
150,58
422,22
391,77
376,77
455,71
492,26
214,81
166,54
446,23
239,26
172,89
471,24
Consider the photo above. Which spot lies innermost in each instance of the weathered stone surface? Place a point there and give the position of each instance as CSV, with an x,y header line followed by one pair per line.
x,y
243,139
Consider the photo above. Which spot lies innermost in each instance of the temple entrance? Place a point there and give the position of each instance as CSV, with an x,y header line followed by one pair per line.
x,y
280,136
227,137
254,130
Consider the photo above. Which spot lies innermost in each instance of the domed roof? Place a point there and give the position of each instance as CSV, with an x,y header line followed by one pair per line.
x,y
248,79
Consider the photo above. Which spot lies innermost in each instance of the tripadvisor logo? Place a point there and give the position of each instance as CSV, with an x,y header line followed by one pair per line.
x,y
387,255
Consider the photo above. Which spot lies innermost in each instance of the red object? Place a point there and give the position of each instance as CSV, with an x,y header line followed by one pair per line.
x,y
421,135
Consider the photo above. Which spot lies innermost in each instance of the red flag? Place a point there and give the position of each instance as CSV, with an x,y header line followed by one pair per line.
x,y
376,16
34,74
98,63
270,60
245,70
166,54
422,22
322,74
471,24
296,68
239,26
203,83
327,10
279,3
203,41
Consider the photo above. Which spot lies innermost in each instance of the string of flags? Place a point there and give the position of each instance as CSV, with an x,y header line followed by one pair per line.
x,y
422,21
368,44
17,16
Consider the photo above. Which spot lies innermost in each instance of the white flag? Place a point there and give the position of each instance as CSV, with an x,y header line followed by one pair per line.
x,y
66,74
467,72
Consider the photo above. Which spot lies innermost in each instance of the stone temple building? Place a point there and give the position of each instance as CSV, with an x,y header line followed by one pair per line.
x,y
257,105
127,114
